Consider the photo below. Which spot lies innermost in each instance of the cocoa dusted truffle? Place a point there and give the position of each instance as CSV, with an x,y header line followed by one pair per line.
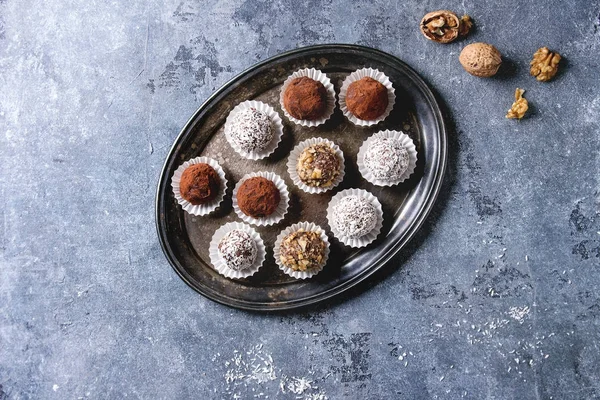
x,y
318,165
199,184
386,158
302,250
251,130
367,98
238,250
354,217
258,197
305,98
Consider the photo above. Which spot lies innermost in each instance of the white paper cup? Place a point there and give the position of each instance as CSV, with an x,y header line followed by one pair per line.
x,y
378,76
406,142
276,125
369,237
199,209
282,208
293,161
218,262
316,75
307,226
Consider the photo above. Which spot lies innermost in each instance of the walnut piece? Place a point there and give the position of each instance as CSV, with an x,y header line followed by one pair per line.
x,y
466,23
519,107
444,26
544,64
480,59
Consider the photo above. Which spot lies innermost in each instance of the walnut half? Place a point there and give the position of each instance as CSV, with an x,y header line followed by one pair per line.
x,y
444,26
544,64
519,107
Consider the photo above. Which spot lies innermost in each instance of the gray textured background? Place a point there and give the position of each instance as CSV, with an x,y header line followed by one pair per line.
x,y
498,296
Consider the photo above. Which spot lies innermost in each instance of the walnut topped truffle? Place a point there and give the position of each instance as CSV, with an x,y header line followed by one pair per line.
x,y
305,98
302,250
318,165
367,98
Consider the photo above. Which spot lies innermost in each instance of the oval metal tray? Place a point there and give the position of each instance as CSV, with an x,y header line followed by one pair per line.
x,y
185,238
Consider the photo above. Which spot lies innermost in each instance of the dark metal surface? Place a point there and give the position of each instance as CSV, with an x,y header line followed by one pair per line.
x,y
184,238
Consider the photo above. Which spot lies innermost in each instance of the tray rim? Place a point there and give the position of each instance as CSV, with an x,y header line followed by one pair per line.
x,y
410,232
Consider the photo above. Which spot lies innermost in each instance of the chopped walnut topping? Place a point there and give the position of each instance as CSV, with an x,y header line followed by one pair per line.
x,y
302,250
318,165
544,64
519,107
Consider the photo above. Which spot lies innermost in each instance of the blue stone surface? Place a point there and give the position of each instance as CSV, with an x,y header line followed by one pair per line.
x,y
498,296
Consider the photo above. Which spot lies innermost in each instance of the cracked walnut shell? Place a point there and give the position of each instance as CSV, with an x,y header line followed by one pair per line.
x,y
444,26
544,64
519,107
480,59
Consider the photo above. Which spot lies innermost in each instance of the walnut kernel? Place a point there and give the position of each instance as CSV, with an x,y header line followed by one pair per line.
x,y
466,23
444,26
544,64
519,107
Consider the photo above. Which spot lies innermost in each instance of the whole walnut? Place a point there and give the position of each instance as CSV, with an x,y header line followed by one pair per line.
x,y
480,59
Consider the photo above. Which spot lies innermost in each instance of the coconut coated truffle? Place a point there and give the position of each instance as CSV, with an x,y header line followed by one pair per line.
x,y
238,250
367,98
258,197
318,165
386,158
354,217
199,184
302,250
305,98
251,130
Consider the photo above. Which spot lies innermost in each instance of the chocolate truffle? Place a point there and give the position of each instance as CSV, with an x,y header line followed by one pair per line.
x,y
318,165
238,250
302,250
367,98
354,217
386,158
199,184
251,130
258,197
305,98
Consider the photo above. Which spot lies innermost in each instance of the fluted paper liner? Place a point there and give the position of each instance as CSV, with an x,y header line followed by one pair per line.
x,y
282,208
199,209
378,76
276,125
369,237
218,262
406,141
316,75
307,226
293,161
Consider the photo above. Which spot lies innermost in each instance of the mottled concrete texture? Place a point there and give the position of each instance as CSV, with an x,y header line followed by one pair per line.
x,y
496,298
